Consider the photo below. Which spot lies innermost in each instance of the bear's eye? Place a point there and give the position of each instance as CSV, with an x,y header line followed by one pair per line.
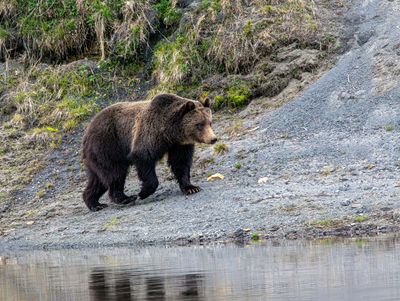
x,y
200,126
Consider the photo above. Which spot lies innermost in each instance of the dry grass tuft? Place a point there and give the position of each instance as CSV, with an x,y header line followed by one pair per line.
x,y
56,30
175,61
7,8
233,36
255,31
134,30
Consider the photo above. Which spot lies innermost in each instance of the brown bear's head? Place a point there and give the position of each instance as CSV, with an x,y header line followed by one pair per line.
x,y
196,123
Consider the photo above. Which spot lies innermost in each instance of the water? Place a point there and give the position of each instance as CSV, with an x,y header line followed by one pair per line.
x,y
300,270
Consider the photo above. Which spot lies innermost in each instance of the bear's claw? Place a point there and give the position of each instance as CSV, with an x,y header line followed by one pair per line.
x,y
98,207
191,189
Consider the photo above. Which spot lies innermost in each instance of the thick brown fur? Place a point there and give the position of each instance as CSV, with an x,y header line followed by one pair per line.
x,y
140,134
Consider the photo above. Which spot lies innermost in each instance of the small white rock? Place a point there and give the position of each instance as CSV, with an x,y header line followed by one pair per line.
x,y
262,180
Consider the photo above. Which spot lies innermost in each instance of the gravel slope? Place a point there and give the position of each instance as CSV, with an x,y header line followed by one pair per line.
x,y
330,159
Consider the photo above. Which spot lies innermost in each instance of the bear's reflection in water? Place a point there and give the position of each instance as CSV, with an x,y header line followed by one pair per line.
x,y
108,284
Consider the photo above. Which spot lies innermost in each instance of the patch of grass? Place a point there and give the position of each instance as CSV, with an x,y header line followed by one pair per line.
x,y
40,106
179,61
40,194
235,128
111,223
289,21
360,218
58,29
220,148
44,136
389,128
219,101
237,165
167,12
206,162
49,185
236,96
70,124
3,196
213,6
30,213
248,29
328,223
288,208
255,236
48,100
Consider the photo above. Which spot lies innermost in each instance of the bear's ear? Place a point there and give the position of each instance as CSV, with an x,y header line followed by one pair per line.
x,y
206,102
187,107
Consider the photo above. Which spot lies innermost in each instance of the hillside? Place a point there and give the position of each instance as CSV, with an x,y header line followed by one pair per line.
x,y
287,167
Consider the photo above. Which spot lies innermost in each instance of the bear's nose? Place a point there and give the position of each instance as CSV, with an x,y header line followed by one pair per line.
x,y
214,140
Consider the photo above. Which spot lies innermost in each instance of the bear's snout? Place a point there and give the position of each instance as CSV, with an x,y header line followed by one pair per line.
x,y
209,136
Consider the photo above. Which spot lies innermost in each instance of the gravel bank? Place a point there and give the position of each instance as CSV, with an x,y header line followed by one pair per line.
x,y
327,163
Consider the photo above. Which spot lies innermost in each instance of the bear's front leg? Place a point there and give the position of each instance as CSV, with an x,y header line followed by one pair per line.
x,y
180,159
147,174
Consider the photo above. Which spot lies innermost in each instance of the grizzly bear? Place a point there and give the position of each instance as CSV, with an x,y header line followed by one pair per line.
x,y
140,134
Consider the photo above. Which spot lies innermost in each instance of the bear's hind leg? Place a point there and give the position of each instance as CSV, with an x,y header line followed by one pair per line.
x,y
147,174
93,191
117,185
180,159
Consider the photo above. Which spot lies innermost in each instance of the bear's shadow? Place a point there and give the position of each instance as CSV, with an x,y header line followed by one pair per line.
x,y
164,194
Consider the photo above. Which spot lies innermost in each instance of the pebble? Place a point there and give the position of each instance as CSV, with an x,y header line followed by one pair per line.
x,y
345,203
396,215
274,228
327,170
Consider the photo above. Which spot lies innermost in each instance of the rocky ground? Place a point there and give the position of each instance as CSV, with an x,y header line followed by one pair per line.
x,y
326,163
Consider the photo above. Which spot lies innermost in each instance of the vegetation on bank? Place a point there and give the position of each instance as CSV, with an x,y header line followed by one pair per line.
x,y
64,60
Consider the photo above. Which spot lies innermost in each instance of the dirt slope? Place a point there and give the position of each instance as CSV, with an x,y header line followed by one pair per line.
x,y
327,163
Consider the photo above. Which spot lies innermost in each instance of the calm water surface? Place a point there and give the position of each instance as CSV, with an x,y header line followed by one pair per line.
x,y
317,270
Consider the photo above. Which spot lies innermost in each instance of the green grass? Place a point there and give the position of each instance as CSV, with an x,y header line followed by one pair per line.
x,y
111,223
236,96
49,186
237,165
31,213
323,223
389,128
58,29
55,100
213,6
220,148
3,197
255,236
360,219
40,194
167,13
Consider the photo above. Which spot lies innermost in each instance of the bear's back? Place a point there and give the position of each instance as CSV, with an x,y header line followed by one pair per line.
x,y
113,126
